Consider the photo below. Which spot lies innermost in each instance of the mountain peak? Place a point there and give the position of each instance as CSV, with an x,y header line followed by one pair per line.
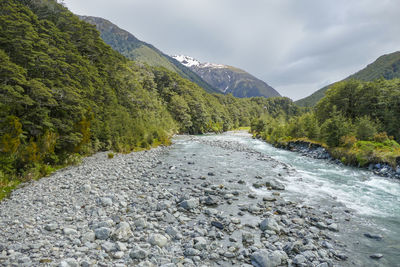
x,y
192,62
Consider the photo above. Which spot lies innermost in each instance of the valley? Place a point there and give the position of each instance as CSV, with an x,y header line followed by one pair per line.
x,y
115,153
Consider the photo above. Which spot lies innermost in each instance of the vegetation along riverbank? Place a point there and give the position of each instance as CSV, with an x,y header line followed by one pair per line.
x,y
356,122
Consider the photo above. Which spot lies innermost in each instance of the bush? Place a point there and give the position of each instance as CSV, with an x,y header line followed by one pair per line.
x,y
348,141
73,159
110,155
381,137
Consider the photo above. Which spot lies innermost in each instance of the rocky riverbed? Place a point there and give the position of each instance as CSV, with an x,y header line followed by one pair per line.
x,y
155,208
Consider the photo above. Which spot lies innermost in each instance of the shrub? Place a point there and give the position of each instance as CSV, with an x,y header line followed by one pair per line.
x,y
110,155
348,141
46,170
381,137
73,159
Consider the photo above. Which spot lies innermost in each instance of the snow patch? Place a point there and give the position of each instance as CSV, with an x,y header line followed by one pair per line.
x,y
190,62
187,61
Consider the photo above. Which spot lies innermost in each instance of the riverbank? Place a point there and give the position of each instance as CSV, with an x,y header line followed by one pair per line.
x,y
165,208
341,156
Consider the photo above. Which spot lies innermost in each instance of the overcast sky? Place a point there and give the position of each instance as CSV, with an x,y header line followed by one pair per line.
x,y
295,46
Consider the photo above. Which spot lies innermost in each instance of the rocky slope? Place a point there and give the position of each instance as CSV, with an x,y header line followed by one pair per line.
x,y
131,47
386,67
148,209
228,79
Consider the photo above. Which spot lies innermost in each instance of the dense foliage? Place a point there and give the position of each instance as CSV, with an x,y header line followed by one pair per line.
x,y
386,67
64,93
358,121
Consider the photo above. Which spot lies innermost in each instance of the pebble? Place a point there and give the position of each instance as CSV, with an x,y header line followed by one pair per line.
x,y
217,224
374,236
376,256
138,253
299,259
51,226
69,231
265,258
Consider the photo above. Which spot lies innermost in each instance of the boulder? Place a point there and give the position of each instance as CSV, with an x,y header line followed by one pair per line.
x,y
158,240
264,258
123,232
190,203
275,185
269,224
102,233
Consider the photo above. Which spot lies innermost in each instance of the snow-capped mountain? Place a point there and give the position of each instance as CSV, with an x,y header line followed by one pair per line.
x,y
228,79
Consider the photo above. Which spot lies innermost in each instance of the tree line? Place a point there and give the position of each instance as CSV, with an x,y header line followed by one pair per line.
x,y
358,121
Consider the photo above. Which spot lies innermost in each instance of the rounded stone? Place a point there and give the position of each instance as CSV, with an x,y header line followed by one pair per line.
x,y
158,240
102,233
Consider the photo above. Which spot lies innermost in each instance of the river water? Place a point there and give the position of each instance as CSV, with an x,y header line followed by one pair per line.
x,y
362,201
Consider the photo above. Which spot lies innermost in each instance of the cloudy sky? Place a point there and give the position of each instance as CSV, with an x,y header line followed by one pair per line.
x,y
295,46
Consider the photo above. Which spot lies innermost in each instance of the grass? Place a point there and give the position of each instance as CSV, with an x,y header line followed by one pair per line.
x,y
10,182
362,153
7,186
243,128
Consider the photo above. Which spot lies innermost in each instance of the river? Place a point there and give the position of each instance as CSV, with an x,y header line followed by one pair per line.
x,y
361,201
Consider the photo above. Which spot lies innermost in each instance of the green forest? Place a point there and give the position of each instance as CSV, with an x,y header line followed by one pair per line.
x,y
65,94
358,122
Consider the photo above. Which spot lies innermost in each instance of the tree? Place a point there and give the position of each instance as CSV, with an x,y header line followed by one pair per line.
x,y
365,128
334,128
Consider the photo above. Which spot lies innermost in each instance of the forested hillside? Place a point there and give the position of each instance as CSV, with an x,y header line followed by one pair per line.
x,y
386,67
64,93
132,48
357,121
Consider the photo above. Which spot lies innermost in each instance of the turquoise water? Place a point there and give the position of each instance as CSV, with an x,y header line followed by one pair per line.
x,y
372,202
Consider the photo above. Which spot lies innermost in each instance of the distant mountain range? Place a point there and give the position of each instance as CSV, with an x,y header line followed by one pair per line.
x,y
386,66
131,47
228,79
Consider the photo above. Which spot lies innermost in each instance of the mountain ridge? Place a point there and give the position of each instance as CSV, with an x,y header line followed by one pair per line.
x,y
228,79
386,66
